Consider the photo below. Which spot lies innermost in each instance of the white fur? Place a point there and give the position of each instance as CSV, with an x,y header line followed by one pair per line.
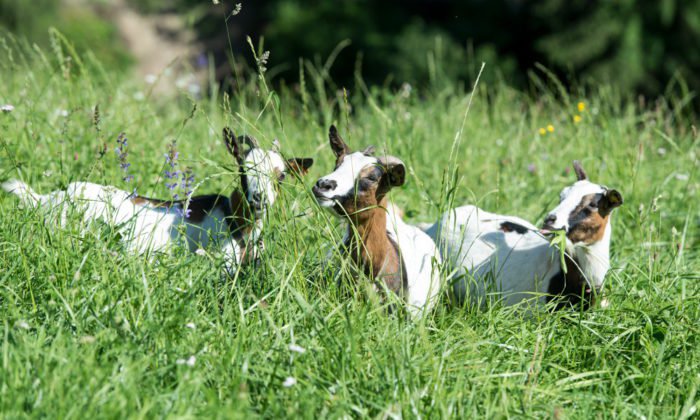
x,y
422,261
143,229
345,176
260,167
417,249
570,198
490,263
594,259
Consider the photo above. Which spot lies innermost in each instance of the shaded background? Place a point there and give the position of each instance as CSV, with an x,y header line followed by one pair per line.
x,y
641,46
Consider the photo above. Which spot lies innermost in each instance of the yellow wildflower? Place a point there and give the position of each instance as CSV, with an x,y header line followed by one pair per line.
x,y
577,119
581,107
543,131
550,128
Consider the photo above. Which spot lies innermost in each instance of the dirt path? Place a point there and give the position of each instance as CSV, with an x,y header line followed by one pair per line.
x,y
162,46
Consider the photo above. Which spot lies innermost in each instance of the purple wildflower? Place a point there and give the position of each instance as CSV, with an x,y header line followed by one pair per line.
x,y
202,60
122,152
177,181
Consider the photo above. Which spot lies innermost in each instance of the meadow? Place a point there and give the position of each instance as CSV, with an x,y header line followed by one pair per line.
x,y
89,331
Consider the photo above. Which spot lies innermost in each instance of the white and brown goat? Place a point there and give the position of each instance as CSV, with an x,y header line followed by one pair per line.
x,y
496,257
397,257
148,225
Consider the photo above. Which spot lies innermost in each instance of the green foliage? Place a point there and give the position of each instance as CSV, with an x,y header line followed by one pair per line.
x,y
650,42
80,24
89,331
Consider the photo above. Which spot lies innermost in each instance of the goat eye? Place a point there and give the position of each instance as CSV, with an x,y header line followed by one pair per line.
x,y
282,177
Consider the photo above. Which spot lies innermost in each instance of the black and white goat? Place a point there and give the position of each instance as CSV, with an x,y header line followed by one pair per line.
x,y
396,256
509,259
148,225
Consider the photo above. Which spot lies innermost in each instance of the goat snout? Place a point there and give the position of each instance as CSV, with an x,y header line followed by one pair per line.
x,y
324,185
548,224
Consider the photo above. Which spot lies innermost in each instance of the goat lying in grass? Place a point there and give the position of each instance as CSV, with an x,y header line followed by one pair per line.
x,y
508,258
396,256
148,225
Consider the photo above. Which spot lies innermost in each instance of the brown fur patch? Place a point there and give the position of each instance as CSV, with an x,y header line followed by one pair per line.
x,y
240,218
373,251
367,194
339,160
370,246
586,224
299,166
151,202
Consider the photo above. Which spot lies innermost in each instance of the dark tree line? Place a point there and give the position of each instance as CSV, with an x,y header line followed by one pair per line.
x,y
639,45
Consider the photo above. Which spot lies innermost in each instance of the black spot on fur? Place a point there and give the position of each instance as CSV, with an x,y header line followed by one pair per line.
x,y
570,289
513,227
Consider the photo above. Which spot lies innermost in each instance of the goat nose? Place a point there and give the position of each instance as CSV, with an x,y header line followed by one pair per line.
x,y
325,185
550,219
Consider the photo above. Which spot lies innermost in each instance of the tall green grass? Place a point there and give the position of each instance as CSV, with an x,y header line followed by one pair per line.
x,y
90,331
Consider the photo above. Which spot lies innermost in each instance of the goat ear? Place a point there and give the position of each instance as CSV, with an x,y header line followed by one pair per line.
x,y
337,143
394,170
234,148
612,199
369,151
276,145
580,173
300,165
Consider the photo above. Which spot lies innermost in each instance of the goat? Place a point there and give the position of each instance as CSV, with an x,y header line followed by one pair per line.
x,y
148,225
509,258
395,256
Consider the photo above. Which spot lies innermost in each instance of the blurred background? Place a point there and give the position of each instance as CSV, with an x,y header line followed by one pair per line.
x,y
647,47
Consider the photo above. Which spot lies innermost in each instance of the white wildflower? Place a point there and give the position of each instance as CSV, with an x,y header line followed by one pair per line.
x,y
289,382
661,151
406,90
150,78
201,252
297,348
181,83
7,108
682,177
87,339
194,89
190,325
22,324
189,362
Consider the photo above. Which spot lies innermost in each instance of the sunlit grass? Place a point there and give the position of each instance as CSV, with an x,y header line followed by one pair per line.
x,y
89,331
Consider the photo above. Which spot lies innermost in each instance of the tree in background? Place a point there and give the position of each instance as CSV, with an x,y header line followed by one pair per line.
x,y
638,45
